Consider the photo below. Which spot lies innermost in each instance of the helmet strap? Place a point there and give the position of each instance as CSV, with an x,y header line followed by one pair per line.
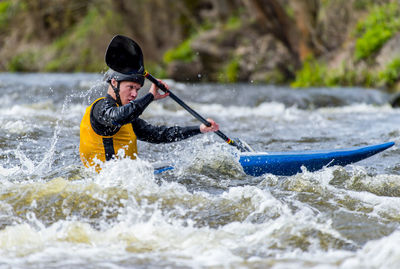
x,y
116,91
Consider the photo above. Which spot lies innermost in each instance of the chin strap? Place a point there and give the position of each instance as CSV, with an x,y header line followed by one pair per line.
x,y
116,90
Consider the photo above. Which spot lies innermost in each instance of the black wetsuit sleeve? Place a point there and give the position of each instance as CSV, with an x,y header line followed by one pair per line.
x,y
162,134
105,112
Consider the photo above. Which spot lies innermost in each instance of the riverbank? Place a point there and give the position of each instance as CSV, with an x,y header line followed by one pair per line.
x,y
297,43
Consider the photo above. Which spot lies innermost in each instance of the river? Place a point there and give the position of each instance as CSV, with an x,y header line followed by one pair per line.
x,y
207,213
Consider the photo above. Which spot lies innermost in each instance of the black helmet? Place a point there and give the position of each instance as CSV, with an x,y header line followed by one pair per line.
x,y
111,74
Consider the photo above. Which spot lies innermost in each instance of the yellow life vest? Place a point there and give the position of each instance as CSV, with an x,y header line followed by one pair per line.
x,y
104,148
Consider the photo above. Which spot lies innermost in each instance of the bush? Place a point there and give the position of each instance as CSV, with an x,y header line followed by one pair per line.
x,y
183,53
5,14
380,25
230,72
233,23
73,51
312,74
23,62
391,73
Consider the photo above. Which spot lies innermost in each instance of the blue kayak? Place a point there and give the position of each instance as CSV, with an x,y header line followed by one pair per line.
x,y
290,162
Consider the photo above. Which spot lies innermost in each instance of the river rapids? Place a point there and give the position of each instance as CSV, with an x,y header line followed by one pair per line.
x,y
207,213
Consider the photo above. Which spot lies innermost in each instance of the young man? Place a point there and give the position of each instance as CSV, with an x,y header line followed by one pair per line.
x,y
111,123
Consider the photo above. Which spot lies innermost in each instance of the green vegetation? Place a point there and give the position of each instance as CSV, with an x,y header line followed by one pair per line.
x,y
275,77
312,74
182,53
230,72
156,69
233,23
344,76
205,26
5,14
379,26
73,49
71,35
23,62
362,4
391,73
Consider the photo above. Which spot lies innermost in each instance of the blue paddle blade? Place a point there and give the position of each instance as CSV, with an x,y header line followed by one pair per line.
x,y
159,170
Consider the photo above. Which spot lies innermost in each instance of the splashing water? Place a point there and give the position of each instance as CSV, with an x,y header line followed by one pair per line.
x,y
205,213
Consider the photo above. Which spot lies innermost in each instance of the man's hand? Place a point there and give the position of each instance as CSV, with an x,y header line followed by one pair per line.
x,y
154,90
213,128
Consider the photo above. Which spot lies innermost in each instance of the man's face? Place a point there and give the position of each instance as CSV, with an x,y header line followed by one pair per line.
x,y
128,91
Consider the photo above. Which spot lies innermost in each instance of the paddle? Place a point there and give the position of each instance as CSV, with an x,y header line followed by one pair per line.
x,y
125,56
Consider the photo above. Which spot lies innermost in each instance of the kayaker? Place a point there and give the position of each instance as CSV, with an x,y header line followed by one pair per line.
x,y
111,124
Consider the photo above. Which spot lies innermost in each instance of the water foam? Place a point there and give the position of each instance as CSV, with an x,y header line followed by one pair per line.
x,y
382,253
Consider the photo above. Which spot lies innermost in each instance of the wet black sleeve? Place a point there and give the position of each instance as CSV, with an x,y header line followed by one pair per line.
x,y
107,113
162,134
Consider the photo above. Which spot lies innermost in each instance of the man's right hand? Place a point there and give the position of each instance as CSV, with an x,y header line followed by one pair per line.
x,y
154,90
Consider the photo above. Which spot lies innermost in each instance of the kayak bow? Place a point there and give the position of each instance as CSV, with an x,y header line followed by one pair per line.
x,y
291,162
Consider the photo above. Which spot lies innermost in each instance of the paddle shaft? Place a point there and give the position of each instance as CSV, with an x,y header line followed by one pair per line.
x,y
191,111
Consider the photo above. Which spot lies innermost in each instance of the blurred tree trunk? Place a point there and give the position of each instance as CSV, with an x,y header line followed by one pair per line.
x,y
217,11
298,33
48,20
306,18
154,24
273,19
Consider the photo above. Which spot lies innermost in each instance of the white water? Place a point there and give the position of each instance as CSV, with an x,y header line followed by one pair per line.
x,y
207,213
